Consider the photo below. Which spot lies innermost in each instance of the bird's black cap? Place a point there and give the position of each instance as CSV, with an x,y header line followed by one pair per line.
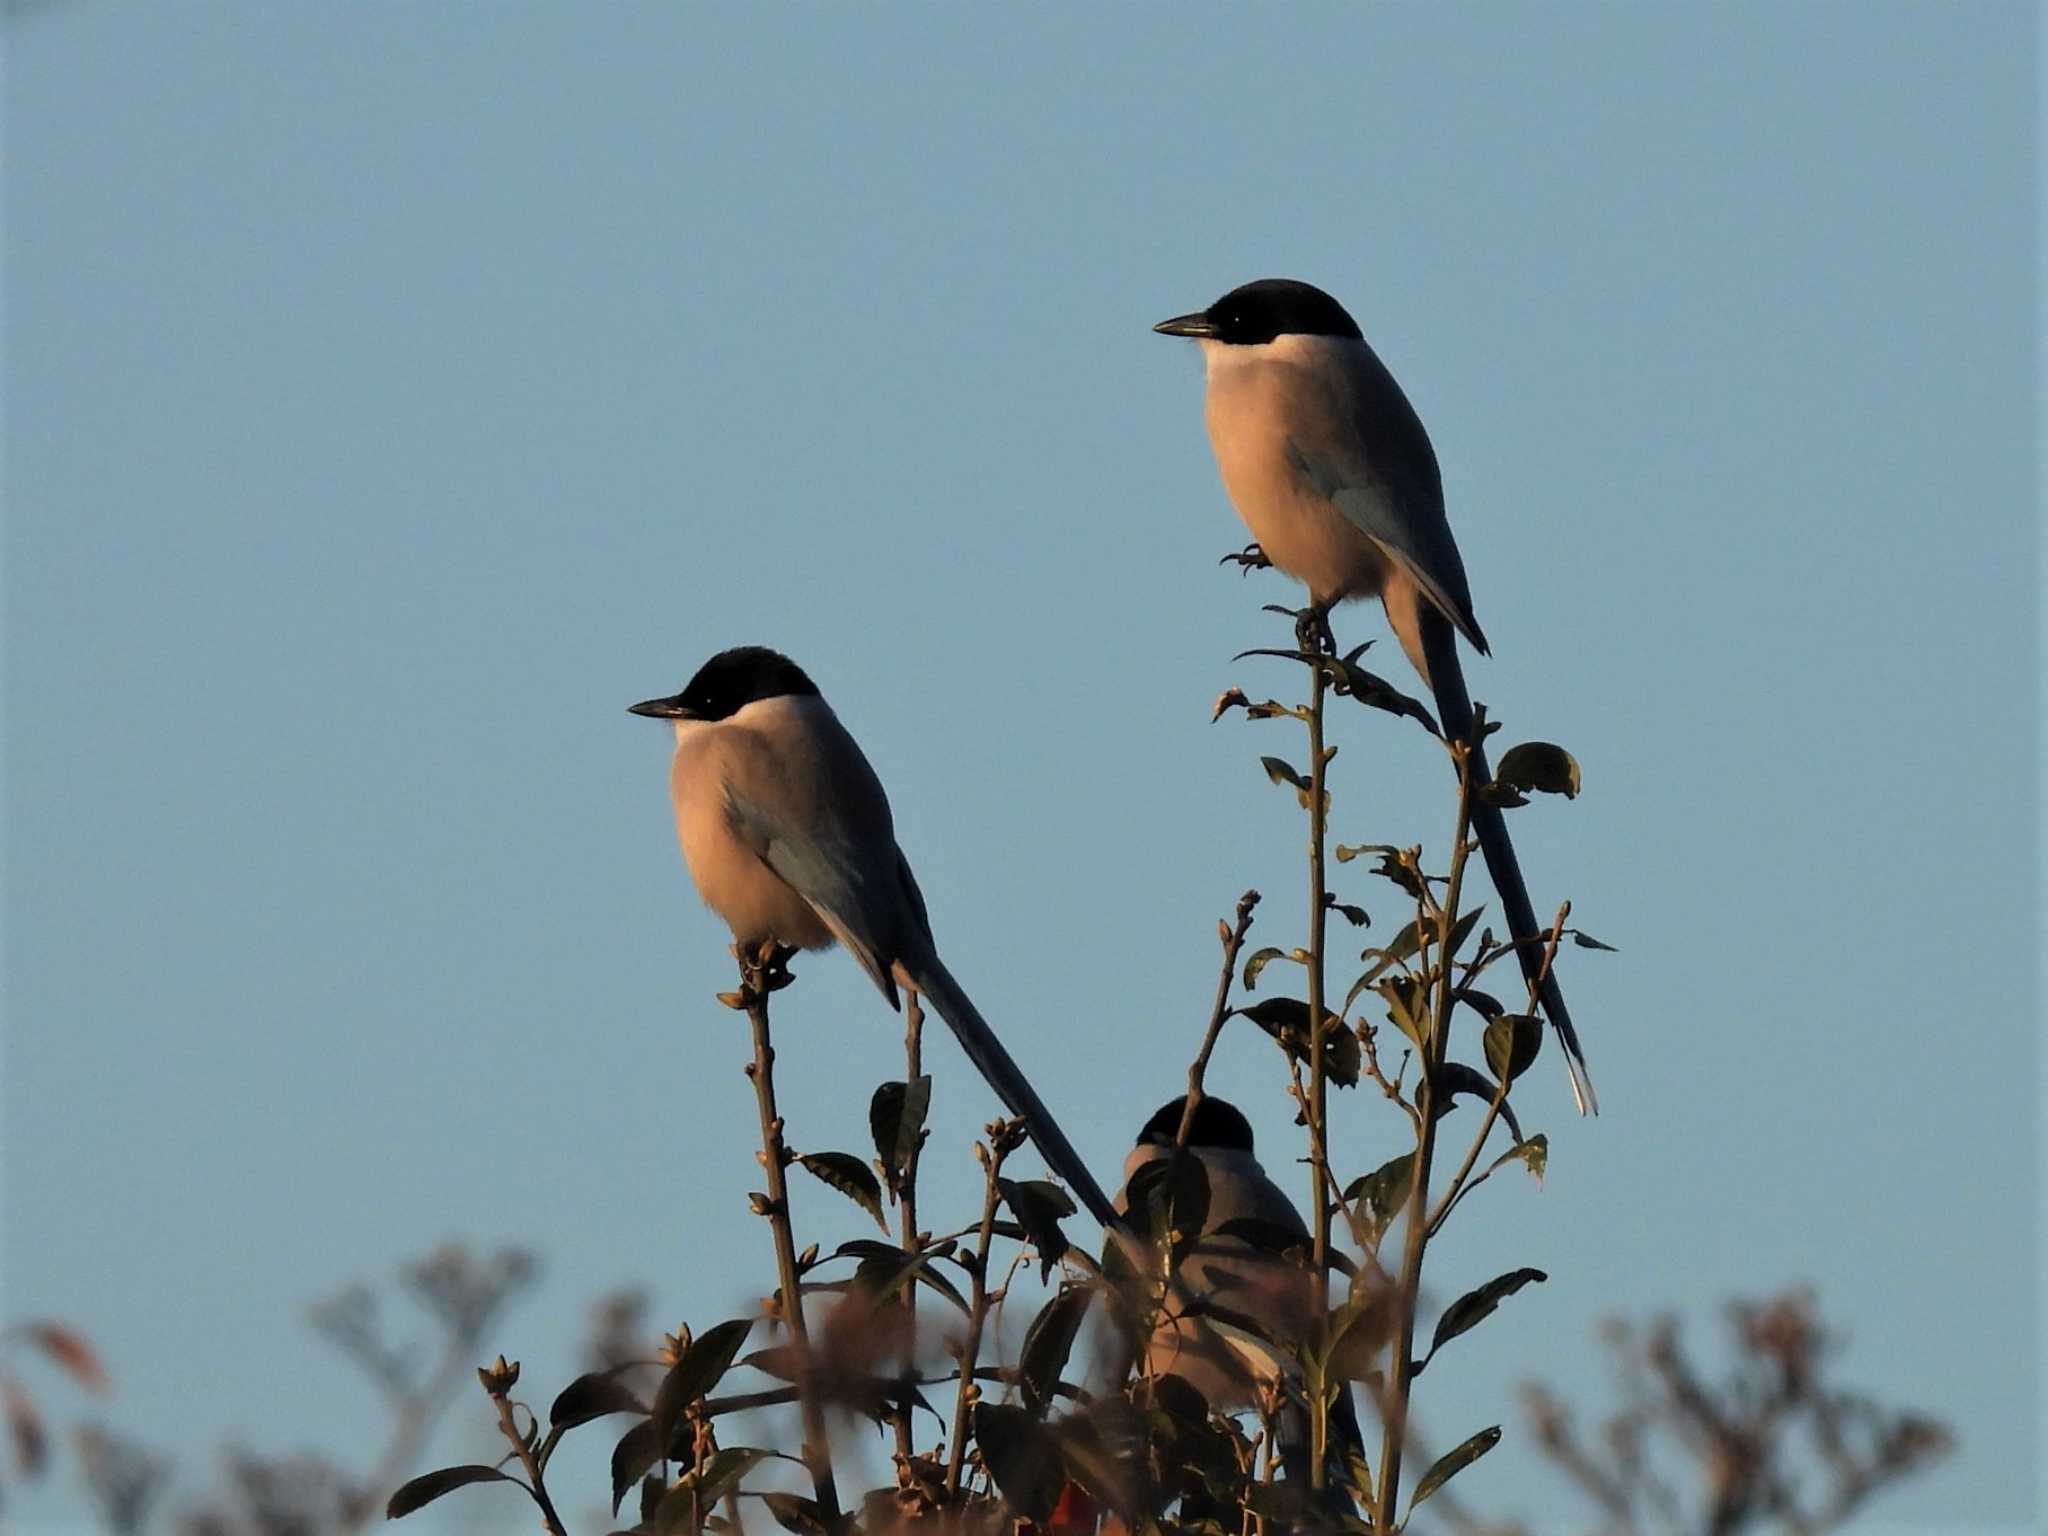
x,y
1217,1124
1258,312
730,681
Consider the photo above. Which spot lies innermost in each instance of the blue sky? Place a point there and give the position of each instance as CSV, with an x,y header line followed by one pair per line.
x,y
394,393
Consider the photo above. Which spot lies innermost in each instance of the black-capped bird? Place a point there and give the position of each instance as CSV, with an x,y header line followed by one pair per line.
x,y
789,838
1331,470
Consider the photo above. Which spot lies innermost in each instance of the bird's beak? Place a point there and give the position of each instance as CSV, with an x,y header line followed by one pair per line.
x,y
1195,326
670,708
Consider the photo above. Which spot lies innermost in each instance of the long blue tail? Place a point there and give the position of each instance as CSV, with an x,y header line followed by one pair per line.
x,y
1003,1074
1454,712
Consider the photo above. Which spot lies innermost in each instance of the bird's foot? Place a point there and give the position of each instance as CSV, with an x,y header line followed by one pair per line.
x,y
1250,558
1312,631
764,968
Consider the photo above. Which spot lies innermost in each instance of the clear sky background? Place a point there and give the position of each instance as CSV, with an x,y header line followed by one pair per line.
x,y
396,392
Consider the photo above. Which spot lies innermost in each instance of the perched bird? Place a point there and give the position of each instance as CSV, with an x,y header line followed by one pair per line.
x,y
788,837
1246,1266
1328,465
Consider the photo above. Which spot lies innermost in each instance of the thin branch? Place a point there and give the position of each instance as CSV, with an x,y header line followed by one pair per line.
x,y
906,1211
1318,915
1458,1187
761,973
1233,941
1003,1138
1401,1372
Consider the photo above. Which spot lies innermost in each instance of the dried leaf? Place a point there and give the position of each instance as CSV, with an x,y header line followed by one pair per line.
x,y
1257,963
25,1427
67,1348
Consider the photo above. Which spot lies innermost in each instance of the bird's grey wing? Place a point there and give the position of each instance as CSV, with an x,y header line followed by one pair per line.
x,y
1377,468
829,863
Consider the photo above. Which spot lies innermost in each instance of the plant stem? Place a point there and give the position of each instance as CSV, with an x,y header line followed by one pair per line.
x,y
1002,1137
906,1210
761,974
1233,942
1401,1371
524,1452
1458,1187
1318,912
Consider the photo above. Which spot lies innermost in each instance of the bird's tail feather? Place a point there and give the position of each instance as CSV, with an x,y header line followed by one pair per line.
x,y
1003,1074
1454,711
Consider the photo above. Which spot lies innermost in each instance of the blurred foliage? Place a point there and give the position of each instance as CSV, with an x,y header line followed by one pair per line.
x,y
1771,1446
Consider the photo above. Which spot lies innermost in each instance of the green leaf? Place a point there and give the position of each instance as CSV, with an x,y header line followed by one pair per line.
x,y
1287,1503
722,1472
682,1508
1162,1210
1370,689
1280,771
1407,1000
1474,1307
782,1361
592,1396
851,1177
1021,1457
1258,961
884,1277
1039,1207
1454,1078
896,1119
1048,1343
1451,1463
423,1490
706,1360
1286,1020
1383,1193
1267,1236
1512,1042
1539,765
795,1514
636,1451
1407,941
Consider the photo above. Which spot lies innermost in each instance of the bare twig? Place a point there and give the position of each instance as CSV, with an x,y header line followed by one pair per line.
x,y
761,973
1004,1136
1232,936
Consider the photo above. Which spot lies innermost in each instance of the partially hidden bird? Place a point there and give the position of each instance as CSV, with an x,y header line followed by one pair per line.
x,y
789,838
1244,1293
1330,469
